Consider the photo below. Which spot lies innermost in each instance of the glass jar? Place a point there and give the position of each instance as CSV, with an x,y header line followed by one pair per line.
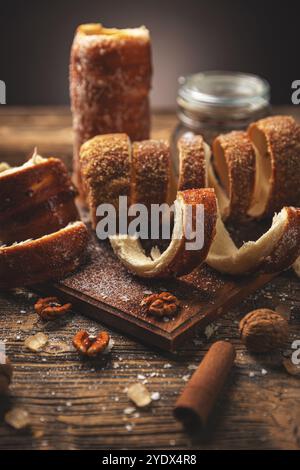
x,y
212,103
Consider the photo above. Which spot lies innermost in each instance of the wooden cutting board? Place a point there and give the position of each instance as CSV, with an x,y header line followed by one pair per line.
x,y
105,291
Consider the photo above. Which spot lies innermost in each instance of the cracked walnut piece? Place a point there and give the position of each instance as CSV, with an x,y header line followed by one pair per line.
x,y
90,345
161,305
51,308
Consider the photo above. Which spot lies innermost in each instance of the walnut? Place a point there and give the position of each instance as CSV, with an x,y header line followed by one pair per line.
x,y
51,308
263,330
161,305
91,346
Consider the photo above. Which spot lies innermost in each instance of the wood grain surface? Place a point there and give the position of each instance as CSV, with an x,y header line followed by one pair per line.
x,y
79,404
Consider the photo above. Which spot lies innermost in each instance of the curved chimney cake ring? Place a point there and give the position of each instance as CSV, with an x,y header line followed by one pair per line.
x,y
177,259
50,257
275,251
36,198
232,173
277,143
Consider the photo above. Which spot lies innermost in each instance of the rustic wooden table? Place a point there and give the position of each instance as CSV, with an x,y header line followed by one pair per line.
x,y
76,404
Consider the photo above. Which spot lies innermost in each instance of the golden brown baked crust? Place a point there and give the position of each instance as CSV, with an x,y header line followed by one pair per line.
x,y
186,260
275,251
151,167
35,200
192,162
234,163
49,257
277,139
146,181
106,169
287,249
112,167
110,79
177,259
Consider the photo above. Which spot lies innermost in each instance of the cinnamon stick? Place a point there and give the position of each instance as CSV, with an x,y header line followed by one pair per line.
x,y
194,405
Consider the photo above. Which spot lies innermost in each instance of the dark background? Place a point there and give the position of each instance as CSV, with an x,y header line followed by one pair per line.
x,y
188,36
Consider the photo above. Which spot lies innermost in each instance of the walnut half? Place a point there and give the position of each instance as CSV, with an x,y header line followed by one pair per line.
x,y
161,305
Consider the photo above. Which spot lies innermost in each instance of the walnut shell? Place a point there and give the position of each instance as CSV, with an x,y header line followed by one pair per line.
x,y
263,330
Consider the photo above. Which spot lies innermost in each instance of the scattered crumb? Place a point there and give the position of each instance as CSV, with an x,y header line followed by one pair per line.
x,y
18,418
186,377
197,342
167,366
210,330
155,396
36,342
38,434
139,394
129,410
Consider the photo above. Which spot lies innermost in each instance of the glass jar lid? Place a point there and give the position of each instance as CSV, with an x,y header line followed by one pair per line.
x,y
218,90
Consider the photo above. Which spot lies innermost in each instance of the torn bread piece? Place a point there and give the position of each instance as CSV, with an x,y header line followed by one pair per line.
x,y
274,251
47,258
277,143
177,259
36,198
232,173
